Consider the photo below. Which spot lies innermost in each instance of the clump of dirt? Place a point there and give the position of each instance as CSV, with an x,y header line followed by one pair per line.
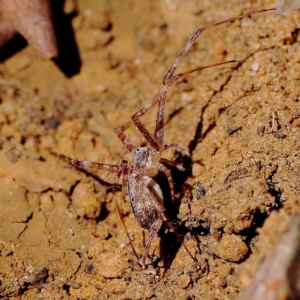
x,y
60,233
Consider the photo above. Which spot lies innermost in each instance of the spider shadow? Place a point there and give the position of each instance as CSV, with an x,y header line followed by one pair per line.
x,y
169,242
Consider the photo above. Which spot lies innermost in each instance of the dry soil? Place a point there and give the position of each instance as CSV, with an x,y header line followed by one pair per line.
x,y
60,233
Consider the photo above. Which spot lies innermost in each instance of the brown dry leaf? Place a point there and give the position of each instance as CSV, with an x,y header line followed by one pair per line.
x,y
32,19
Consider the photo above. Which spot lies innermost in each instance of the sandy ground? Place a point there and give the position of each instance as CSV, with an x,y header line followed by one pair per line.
x,y
60,233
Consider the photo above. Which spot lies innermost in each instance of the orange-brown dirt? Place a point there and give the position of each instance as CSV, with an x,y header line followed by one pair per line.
x,y
60,233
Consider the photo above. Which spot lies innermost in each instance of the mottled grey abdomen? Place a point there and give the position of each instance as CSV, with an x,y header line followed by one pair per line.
x,y
143,192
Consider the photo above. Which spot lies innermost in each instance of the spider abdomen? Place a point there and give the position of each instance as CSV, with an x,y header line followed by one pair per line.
x,y
143,193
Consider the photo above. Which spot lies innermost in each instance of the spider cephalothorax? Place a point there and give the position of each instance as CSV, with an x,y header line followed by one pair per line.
x,y
142,158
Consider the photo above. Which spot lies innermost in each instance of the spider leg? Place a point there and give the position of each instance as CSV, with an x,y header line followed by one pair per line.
x,y
179,75
169,78
156,140
84,164
178,148
171,163
123,172
119,131
160,210
152,235
164,169
167,172
159,123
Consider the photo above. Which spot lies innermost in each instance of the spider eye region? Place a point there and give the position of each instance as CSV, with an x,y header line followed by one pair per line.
x,y
140,156
140,150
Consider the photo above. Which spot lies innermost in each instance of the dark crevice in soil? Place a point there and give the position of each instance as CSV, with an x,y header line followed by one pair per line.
x,y
66,288
35,280
260,217
174,114
72,188
26,220
293,38
250,233
104,212
199,136
277,194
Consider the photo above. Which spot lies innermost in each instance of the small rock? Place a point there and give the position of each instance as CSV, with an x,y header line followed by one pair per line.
x,y
183,281
230,248
111,265
85,201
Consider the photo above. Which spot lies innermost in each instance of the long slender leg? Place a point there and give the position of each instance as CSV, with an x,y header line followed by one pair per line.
x,y
152,235
119,131
160,210
167,172
171,71
84,164
155,141
169,79
171,163
126,231
123,171
152,172
159,126
179,75
161,167
178,148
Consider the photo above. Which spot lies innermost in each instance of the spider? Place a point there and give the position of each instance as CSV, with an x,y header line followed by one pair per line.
x,y
145,194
